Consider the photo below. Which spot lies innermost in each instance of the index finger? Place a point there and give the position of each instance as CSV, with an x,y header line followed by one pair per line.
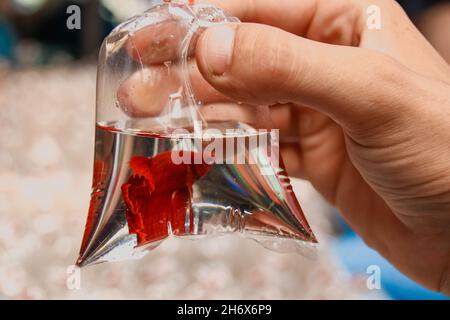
x,y
296,15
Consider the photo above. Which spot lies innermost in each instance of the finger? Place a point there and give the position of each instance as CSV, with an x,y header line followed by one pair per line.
x,y
258,65
297,15
157,43
290,153
148,91
283,118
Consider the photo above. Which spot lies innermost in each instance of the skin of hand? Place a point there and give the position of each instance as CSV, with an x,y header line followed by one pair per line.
x,y
364,114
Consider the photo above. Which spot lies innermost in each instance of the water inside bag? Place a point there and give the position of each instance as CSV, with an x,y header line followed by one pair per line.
x,y
157,174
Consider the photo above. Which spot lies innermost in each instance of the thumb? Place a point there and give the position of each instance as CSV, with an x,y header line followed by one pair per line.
x,y
259,64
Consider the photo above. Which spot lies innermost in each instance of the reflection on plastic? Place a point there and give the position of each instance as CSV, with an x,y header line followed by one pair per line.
x,y
148,88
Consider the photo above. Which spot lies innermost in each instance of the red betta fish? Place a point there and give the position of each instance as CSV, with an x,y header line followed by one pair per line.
x,y
158,193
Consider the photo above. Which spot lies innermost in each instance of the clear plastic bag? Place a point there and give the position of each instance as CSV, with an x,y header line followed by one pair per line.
x,y
175,157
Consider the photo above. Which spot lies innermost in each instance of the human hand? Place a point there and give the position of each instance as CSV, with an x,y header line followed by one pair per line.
x,y
364,115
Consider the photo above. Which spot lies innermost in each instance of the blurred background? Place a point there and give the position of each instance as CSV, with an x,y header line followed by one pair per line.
x,y
47,107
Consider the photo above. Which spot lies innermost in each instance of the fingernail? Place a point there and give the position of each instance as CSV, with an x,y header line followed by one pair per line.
x,y
219,44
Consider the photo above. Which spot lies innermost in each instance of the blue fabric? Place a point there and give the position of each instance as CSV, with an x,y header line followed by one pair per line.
x,y
357,256
414,7
6,40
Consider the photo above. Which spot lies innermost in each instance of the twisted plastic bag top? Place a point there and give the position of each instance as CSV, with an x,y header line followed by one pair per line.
x,y
174,157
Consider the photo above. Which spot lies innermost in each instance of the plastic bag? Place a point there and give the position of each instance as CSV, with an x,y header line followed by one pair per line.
x,y
175,157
